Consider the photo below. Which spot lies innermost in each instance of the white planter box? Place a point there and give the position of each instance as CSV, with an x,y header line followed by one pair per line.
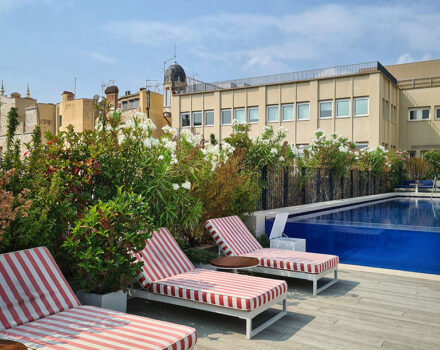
x,y
114,301
298,244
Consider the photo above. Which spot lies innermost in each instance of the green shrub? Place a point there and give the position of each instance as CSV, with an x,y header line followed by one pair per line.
x,y
102,240
433,159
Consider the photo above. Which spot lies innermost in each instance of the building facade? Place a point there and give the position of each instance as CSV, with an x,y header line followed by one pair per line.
x,y
80,113
30,114
370,104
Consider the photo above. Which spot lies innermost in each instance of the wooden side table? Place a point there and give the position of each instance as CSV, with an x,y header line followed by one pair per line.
x,y
234,262
11,345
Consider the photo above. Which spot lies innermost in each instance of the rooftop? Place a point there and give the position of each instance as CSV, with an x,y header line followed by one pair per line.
x,y
352,69
367,309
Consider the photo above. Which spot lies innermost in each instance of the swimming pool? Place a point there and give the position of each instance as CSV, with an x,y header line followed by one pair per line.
x,y
397,233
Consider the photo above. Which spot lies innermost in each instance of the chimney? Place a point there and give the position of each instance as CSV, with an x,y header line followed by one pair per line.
x,y
111,93
67,96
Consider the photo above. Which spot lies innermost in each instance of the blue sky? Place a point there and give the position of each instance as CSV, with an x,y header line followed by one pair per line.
x,y
47,43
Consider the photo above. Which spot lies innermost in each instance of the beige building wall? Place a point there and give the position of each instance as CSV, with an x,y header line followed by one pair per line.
x,y
372,128
80,113
420,135
42,114
154,112
415,70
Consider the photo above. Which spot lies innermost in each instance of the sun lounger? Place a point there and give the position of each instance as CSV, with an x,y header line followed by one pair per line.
x,y
234,239
39,309
169,276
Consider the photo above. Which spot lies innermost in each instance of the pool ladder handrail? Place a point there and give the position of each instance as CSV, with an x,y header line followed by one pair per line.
x,y
433,186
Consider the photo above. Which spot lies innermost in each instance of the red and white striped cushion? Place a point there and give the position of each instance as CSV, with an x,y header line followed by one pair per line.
x,y
88,327
232,235
161,258
235,291
295,261
31,287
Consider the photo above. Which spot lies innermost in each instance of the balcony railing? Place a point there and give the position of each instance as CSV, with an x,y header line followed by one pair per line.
x,y
352,69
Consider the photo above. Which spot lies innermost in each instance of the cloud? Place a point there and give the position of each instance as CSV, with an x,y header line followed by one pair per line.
x,y
102,58
265,43
7,5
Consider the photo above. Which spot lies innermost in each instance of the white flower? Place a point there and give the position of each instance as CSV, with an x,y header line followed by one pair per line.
x,y
283,130
147,142
281,159
176,187
274,151
169,130
186,185
171,145
173,159
160,157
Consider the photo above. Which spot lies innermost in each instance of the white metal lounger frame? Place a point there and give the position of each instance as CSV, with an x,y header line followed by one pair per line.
x,y
303,275
246,315
295,274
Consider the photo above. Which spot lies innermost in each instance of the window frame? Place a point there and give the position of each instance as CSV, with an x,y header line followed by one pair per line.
x,y
417,110
248,116
201,118
349,108
204,117
221,116
298,105
437,113
293,112
244,114
181,120
319,109
354,106
267,113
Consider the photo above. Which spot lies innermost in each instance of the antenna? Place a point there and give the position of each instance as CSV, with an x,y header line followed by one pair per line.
x,y
74,90
175,55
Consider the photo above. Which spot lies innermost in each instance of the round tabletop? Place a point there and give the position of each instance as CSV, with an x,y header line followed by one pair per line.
x,y
234,262
11,345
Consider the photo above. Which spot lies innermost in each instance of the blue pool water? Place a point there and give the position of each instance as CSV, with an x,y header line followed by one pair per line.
x,y
399,233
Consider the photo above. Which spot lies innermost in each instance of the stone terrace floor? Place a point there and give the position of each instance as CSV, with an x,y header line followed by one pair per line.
x,y
364,310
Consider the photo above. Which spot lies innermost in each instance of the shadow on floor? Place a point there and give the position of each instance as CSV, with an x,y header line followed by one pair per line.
x,y
212,326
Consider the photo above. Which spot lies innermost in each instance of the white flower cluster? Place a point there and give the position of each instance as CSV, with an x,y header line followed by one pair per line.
x,y
192,139
186,185
141,121
150,142
168,130
283,130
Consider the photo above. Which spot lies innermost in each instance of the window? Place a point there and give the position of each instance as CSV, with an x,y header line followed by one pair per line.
x,y
437,113
361,106
253,115
185,119
133,103
287,113
197,119
124,105
412,154
226,117
303,111
325,109
422,153
272,113
418,114
361,145
342,108
239,115
61,120
386,114
209,118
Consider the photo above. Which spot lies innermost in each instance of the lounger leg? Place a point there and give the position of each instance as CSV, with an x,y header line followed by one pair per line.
x,y
315,285
248,328
328,284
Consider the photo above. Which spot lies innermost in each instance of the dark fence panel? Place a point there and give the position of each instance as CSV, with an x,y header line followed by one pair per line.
x,y
291,186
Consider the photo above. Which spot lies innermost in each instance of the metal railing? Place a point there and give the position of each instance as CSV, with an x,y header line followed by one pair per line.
x,y
312,74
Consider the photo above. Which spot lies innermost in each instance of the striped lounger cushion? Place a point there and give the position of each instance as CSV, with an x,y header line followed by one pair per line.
x,y
38,308
234,238
294,261
221,288
168,271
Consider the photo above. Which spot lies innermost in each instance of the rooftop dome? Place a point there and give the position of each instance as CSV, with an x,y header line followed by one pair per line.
x,y
112,90
175,73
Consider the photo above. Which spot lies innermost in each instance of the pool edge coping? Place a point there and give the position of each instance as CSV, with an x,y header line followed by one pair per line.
x,y
391,272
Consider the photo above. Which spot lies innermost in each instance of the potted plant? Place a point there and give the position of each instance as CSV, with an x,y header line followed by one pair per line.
x,y
101,242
